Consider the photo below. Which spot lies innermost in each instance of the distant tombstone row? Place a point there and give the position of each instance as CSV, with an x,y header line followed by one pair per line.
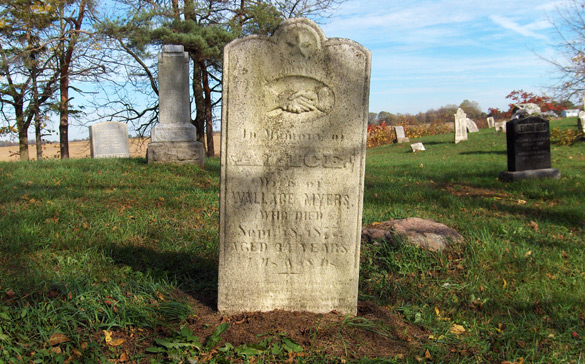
x,y
294,119
109,140
528,146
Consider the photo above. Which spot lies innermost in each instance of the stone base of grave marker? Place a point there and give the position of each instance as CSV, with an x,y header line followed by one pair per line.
x,y
176,152
175,143
508,176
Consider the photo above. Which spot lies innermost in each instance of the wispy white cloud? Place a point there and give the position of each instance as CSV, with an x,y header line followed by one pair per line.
x,y
430,53
528,30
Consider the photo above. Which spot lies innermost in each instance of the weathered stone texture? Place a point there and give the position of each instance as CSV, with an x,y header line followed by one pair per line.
x,y
109,140
427,234
294,120
174,138
460,126
400,135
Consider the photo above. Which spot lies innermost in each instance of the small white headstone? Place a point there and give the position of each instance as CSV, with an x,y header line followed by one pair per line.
x,y
500,126
417,147
531,109
109,140
491,122
400,135
460,126
471,126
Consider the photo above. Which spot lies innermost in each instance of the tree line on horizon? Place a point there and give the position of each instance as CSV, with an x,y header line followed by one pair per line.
x,y
94,60
445,114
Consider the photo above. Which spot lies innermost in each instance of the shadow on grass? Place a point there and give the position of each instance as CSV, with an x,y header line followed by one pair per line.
x,y
383,194
480,152
194,275
437,143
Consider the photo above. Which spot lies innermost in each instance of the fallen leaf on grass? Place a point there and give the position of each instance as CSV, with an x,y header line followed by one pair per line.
x,y
457,329
520,361
428,355
534,225
521,202
58,338
112,342
124,358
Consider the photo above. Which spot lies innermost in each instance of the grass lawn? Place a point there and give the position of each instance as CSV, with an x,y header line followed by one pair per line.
x,y
116,261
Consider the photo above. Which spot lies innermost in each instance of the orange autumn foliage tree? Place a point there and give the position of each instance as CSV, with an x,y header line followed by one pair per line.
x,y
522,97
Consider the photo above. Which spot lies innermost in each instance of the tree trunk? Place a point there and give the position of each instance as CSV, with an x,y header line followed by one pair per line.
x,y
199,102
22,139
64,116
38,136
37,115
22,129
66,57
208,111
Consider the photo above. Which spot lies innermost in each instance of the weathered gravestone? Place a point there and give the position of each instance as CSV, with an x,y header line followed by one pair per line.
x,y
581,121
294,119
400,135
174,139
109,140
471,126
500,126
460,126
528,144
491,122
417,147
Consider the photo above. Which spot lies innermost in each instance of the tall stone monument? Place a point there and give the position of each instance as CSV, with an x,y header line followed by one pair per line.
x,y
460,126
109,140
174,139
528,145
294,121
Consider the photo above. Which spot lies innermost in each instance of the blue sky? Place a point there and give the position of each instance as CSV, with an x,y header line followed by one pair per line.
x,y
427,54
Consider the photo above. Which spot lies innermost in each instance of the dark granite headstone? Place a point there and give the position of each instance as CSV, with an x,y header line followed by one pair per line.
x,y
528,142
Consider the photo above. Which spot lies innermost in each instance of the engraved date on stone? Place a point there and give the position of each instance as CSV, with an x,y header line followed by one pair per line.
x,y
289,232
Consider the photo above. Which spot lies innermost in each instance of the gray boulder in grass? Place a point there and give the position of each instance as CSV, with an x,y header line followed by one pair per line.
x,y
427,234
